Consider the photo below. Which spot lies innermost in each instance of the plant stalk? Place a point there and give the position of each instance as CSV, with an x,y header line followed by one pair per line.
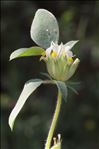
x,y
54,121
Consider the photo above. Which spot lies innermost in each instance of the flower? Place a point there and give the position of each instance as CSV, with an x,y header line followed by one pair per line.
x,y
60,60
57,143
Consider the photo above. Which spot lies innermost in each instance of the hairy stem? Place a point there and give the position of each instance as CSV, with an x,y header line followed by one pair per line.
x,y
54,121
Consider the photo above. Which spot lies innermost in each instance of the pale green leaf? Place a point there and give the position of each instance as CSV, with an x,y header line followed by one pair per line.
x,y
32,51
29,87
44,28
63,89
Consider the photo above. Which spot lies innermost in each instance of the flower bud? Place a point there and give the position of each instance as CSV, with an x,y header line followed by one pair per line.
x,y
57,143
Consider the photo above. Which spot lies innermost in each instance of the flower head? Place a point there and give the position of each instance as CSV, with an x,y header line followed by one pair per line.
x,y
57,143
60,60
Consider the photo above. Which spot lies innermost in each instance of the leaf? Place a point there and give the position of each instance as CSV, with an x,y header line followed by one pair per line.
x,y
32,51
63,89
29,87
44,28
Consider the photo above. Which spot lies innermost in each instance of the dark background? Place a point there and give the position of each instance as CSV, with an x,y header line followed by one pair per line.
x,y
79,118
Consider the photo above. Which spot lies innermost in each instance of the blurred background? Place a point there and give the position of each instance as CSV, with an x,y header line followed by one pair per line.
x,y
79,118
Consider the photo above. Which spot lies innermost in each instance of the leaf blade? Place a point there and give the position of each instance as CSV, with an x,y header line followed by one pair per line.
x,y
29,87
32,51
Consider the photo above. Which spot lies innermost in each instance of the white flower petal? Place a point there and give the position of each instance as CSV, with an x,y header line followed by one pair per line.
x,y
48,51
61,49
54,47
70,44
69,54
67,48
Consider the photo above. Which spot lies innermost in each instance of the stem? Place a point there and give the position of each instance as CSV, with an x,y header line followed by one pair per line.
x,y
54,121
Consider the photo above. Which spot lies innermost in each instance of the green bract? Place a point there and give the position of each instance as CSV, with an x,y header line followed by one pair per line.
x,y
44,28
29,87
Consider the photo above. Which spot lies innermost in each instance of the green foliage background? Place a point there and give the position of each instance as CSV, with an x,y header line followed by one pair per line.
x,y
79,118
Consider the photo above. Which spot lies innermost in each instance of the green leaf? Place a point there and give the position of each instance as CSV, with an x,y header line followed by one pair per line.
x,y
29,87
32,51
44,28
63,89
